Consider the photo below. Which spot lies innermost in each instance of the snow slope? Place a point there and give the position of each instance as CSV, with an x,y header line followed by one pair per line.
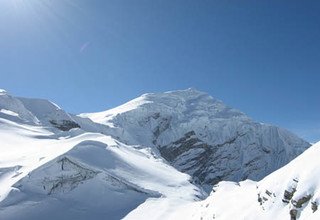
x,y
34,112
13,109
292,192
50,174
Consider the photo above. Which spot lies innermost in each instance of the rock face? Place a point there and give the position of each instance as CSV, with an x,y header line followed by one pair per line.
x,y
201,136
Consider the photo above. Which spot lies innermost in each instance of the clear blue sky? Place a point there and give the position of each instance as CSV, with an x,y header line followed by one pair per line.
x,y
262,57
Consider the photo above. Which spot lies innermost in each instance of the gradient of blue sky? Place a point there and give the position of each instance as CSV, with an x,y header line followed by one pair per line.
x,y
262,57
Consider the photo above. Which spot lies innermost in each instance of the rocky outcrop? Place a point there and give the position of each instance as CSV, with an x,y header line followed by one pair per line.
x,y
64,125
314,206
70,176
287,196
199,159
293,214
301,201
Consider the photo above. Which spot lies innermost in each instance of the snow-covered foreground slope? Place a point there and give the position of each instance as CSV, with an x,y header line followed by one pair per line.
x,y
143,160
83,176
201,136
292,192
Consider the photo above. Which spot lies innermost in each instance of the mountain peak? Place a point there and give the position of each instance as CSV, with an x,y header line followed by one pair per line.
x,y
188,104
192,130
177,98
189,101
190,90
3,92
184,93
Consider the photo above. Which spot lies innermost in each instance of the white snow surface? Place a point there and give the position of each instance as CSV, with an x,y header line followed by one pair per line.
x,y
110,165
3,92
122,177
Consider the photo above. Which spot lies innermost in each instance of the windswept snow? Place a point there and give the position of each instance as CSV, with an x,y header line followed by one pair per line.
x,y
105,116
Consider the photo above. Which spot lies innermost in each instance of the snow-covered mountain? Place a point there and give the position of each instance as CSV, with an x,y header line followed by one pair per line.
x,y
292,192
142,160
201,136
34,112
48,171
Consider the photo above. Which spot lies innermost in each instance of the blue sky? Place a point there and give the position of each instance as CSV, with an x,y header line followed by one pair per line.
x,y
262,57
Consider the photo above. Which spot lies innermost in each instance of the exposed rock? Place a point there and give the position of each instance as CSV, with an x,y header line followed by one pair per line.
x,y
181,146
268,193
293,214
260,199
163,124
314,206
287,196
202,161
64,125
301,201
71,176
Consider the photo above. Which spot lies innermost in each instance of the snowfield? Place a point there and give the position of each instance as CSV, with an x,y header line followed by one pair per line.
x,y
155,157
84,176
